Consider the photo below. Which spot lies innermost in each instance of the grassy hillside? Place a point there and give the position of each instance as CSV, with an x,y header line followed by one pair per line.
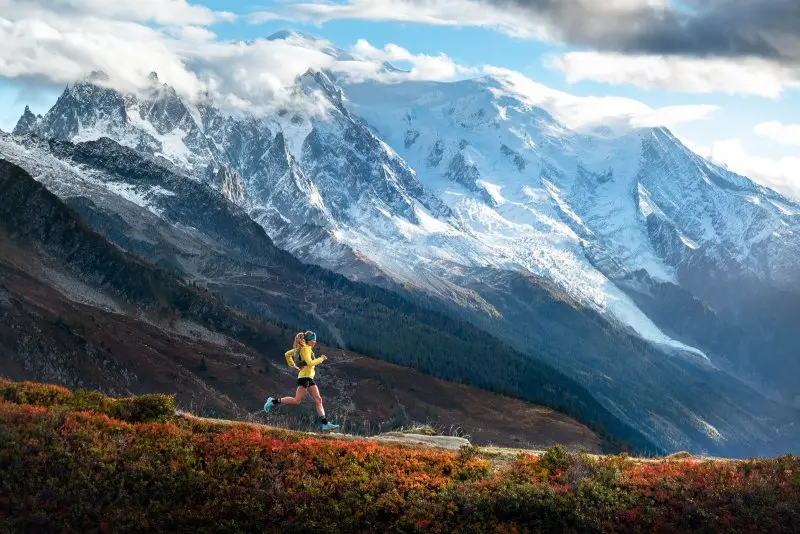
x,y
46,336
79,462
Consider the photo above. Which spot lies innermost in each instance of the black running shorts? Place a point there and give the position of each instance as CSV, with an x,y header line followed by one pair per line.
x,y
306,382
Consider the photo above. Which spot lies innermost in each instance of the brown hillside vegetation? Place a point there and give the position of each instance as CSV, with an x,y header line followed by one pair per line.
x,y
55,328
78,462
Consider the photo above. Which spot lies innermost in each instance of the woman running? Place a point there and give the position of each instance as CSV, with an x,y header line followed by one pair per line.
x,y
303,346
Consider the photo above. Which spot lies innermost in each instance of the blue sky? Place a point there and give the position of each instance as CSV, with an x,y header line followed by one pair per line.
x,y
471,33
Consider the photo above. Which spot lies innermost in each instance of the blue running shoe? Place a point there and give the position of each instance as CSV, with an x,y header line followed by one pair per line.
x,y
329,426
268,405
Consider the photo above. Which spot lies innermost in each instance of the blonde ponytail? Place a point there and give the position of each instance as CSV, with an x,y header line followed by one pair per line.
x,y
299,340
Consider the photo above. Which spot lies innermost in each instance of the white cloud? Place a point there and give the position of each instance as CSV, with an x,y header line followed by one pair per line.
x,y
508,20
781,174
675,73
61,41
261,17
423,67
670,116
194,34
64,49
159,11
508,17
786,134
582,113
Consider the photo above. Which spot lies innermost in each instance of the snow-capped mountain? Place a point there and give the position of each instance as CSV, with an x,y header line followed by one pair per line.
x,y
639,201
596,212
467,191
334,173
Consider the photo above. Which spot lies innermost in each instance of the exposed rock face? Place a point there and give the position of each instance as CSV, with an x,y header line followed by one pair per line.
x,y
26,123
230,184
452,443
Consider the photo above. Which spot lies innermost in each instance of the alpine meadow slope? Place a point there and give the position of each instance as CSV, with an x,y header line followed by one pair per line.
x,y
663,284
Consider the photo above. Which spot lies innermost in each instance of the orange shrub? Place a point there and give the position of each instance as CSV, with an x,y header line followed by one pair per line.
x,y
70,470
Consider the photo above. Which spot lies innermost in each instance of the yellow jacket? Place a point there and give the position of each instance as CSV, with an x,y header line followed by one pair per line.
x,y
307,361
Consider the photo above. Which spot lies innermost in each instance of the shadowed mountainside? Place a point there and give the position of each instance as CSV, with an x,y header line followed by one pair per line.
x,y
76,310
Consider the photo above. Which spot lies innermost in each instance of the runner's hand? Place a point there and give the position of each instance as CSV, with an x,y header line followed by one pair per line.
x,y
324,357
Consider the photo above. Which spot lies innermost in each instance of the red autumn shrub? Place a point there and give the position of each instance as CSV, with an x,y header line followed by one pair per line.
x,y
69,470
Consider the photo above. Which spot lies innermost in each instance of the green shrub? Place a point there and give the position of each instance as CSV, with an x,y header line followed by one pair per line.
x,y
90,400
144,408
140,409
605,473
556,458
33,393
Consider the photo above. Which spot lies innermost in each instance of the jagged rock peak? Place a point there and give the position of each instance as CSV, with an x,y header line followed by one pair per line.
x,y
317,79
26,122
97,76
